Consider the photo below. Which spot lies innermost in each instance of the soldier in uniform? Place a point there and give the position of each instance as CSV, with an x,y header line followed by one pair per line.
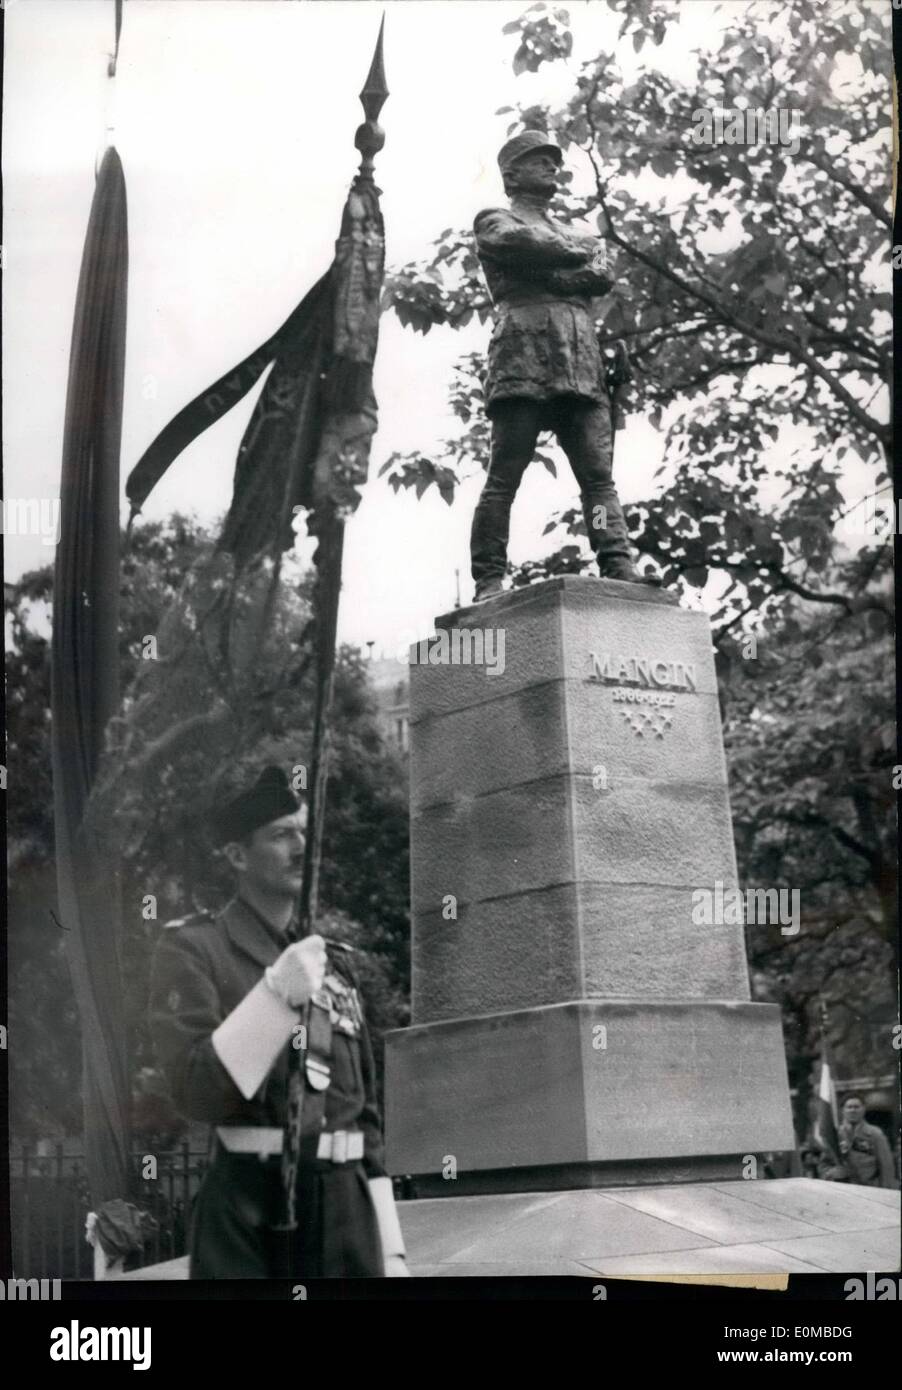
x,y
226,995
864,1153
545,370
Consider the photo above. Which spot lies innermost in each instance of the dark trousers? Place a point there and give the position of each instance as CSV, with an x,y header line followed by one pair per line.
x,y
240,1201
583,430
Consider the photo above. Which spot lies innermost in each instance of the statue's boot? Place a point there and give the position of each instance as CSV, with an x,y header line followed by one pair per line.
x,y
617,567
488,588
610,542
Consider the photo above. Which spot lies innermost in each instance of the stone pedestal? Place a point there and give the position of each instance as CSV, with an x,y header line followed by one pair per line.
x,y
568,798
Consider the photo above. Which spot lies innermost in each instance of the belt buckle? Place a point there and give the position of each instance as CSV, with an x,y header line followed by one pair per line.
x,y
340,1146
355,1146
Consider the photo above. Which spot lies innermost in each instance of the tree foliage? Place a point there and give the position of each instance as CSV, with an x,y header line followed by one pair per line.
x,y
813,811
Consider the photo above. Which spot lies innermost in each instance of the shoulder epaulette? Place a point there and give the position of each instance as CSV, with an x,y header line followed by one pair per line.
x,y
194,919
491,212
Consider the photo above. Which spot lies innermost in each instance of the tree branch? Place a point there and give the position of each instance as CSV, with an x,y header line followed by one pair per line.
x,y
721,369
720,310
831,169
786,582
812,819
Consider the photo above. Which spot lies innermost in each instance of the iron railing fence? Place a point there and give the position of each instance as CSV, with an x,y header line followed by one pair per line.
x,y
49,1206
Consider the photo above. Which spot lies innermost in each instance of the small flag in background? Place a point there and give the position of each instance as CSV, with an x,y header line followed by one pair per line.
x,y
826,1124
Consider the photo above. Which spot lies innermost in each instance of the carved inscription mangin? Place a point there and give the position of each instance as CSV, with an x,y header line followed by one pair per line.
x,y
645,687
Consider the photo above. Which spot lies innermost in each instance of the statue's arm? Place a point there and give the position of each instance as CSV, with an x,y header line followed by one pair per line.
x,y
581,280
512,242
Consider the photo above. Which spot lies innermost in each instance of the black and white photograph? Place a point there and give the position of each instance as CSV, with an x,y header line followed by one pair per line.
x,y
451,762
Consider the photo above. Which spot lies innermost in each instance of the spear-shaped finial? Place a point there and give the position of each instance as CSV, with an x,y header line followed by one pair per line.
x,y
117,24
370,136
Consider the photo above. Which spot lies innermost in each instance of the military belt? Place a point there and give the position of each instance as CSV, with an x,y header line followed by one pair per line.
x,y
523,298
338,1146
250,1139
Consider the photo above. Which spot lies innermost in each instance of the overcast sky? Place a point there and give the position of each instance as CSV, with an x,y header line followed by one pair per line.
x,y
235,121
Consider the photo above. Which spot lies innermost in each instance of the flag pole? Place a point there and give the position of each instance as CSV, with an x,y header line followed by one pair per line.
x,y
327,520
306,447
349,413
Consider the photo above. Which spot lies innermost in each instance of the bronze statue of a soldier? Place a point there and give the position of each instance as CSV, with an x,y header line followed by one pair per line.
x,y
545,369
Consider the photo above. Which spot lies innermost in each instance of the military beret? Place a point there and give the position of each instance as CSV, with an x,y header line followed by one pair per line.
x,y
269,798
528,143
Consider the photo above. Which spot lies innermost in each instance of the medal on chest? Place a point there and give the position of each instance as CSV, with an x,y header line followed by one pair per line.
x,y
344,1006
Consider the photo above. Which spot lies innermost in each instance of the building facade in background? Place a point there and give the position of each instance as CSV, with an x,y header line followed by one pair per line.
x,y
391,687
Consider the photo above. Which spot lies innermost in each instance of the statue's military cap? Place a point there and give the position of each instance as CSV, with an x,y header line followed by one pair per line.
x,y
269,798
529,142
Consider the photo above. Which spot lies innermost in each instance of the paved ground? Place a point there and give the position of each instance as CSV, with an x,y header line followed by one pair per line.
x,y
788,1226
793,1225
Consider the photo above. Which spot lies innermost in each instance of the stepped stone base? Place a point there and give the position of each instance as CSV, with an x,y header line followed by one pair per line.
x,y
666,1089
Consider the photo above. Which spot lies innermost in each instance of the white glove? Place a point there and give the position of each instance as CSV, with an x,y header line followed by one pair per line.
x,y
389,1228
299,971
251,1038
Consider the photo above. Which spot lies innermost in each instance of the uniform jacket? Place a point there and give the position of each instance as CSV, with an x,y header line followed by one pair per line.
x,y
202,968
542,278
868,1161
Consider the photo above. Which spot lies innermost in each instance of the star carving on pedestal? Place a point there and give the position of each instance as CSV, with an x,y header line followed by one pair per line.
x,y
643,721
